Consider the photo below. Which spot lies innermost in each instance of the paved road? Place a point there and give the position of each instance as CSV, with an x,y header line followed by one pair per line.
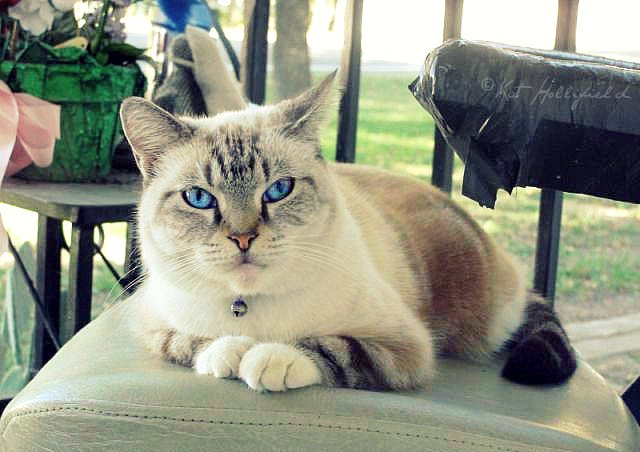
x,y
611,346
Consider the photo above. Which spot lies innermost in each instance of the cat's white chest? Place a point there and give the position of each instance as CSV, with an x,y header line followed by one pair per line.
x,y
265,318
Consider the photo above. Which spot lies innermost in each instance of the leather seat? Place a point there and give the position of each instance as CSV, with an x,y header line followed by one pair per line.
x,y
102,391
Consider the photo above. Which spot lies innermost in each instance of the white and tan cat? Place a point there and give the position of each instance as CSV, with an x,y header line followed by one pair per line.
x,y
267,263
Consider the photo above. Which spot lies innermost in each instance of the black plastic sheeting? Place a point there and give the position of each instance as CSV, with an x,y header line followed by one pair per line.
x,y
527,117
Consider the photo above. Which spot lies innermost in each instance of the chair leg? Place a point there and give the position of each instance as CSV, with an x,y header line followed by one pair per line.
x,y
631,397
441,174
549,225
3,404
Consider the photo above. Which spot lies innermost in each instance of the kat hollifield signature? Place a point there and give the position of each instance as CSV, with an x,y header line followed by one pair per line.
x,y
549,89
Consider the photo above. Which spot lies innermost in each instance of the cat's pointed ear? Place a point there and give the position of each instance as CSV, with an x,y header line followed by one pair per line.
x,y
303,116
150,131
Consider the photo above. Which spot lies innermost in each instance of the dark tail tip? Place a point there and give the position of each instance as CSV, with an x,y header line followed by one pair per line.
x,y
545,357
539,352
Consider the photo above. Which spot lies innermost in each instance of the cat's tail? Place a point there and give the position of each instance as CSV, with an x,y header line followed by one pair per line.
x,y
539,352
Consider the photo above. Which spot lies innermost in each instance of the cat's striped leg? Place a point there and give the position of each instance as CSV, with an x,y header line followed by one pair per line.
x,y
174,346
219,357
539,352
340,361
349,362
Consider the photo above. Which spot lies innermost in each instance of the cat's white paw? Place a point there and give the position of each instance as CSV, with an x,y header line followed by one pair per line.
x,y
222,357
278,367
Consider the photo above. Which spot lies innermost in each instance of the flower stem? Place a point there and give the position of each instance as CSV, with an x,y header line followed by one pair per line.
x,y
13,39
97,40
4,37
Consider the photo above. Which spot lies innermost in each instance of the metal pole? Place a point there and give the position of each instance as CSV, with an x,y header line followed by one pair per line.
x,y
350,82
254,67
549,222
48,289
442,154
42,311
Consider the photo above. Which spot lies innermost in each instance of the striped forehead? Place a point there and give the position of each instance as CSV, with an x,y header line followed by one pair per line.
x,y
238,155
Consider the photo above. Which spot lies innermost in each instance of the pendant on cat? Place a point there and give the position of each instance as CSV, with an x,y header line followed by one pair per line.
x,y
239,307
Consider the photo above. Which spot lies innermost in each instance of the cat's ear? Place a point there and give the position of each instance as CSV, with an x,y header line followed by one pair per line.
x,y
303,116
150,131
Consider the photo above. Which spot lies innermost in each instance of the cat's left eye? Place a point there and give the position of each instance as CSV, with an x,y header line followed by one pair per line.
x,y
199,198
280,189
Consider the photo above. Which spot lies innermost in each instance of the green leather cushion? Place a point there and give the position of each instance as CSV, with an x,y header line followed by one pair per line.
x,y
102,391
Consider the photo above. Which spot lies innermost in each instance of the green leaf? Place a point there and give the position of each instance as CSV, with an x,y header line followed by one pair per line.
x,y
64,27
123,49
102,57
121,53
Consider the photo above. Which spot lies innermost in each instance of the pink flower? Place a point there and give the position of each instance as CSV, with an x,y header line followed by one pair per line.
x,y
29,127
6,3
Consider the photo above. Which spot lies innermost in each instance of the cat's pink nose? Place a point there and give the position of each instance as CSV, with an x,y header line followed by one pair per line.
x,y
243,240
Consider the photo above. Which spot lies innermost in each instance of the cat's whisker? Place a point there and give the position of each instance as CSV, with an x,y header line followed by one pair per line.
x,y
111,300
327,260
331,264
117,284
185,279
326,263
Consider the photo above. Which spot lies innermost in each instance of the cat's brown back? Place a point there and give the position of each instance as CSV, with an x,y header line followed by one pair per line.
x,y
463,278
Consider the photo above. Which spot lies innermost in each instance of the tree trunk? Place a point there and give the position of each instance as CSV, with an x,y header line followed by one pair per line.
x,y
291,53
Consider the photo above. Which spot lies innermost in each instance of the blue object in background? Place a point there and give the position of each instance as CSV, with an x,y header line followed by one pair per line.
x,y
175,15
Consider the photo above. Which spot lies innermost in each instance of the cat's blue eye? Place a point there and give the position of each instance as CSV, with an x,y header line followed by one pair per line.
x,y
280,189
199,198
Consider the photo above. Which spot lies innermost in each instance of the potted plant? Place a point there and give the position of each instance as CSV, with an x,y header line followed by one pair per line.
x,y
82,65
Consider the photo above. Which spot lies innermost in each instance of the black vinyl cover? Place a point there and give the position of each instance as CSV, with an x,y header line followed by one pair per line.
x,y
527,117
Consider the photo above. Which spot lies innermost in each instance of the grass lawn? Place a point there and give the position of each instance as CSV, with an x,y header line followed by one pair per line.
x,y
599,254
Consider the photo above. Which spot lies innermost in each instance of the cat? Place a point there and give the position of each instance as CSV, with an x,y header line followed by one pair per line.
x,y
267,263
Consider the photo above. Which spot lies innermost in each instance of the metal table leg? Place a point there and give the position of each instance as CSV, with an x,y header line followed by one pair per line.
x,y
48,286
77,309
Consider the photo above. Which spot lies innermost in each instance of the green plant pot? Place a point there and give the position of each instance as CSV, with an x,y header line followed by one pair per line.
x,y
89,96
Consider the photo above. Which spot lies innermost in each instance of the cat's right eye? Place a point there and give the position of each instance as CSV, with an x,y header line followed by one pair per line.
x,y
199,198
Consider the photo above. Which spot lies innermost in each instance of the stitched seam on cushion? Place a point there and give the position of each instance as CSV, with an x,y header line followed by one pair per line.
x,y
260,424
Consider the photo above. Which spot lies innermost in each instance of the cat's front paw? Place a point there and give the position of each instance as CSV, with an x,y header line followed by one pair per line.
x,y
278,367
222,357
